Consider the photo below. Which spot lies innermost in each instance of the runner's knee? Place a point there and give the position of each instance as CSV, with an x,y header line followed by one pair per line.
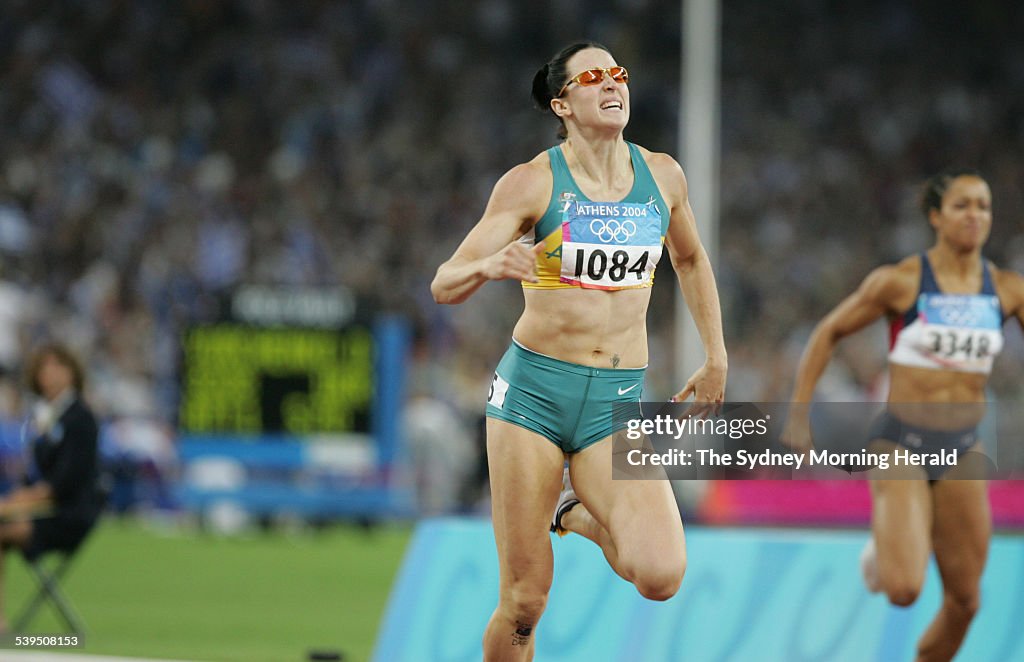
x,y
903,593
964,604
524,602
659,581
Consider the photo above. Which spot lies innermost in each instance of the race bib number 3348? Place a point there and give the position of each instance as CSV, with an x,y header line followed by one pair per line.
x,y
610,245
964,329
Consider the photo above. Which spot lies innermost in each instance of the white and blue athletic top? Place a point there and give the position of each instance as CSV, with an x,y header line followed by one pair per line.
x,y
957,332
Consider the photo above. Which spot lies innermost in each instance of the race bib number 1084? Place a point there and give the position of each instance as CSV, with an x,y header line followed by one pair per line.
x,y
610,245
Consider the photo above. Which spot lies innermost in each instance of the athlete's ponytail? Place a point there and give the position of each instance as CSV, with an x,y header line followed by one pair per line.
x,y
542,94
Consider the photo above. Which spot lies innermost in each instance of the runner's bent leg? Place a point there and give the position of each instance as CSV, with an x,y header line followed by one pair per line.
x,y
635,522
901,518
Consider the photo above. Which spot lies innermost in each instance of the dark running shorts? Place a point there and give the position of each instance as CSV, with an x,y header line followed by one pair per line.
x,y
923,441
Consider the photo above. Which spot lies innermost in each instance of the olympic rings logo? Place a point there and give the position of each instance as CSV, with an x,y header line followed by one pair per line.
x,y
612,230
954,317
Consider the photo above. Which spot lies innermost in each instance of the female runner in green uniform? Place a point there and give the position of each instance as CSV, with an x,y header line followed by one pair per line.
x,y
582,225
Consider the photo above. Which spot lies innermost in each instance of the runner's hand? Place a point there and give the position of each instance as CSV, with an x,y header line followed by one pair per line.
x,y
516,261
707,386
797,433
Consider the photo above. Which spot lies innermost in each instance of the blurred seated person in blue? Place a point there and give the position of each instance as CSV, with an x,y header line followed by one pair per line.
x,y
61,498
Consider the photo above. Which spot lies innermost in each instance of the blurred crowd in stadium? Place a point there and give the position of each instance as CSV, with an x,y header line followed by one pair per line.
x,y
158,155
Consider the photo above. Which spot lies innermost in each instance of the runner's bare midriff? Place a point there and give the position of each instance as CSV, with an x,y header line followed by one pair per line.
x,y
586,326
937,399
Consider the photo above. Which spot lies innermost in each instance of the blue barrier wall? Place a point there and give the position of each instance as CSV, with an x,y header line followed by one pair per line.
x,y
748,595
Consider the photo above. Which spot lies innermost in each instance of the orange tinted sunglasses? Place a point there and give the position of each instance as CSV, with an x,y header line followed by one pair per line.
x,y
595,76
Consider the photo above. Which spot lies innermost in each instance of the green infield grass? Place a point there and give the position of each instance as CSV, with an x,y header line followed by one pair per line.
x,y
158,593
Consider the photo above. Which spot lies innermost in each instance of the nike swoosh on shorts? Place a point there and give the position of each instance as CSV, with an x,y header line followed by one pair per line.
x,y
624,391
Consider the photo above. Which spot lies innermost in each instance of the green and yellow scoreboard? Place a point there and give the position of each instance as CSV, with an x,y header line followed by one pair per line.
x,y
241,379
